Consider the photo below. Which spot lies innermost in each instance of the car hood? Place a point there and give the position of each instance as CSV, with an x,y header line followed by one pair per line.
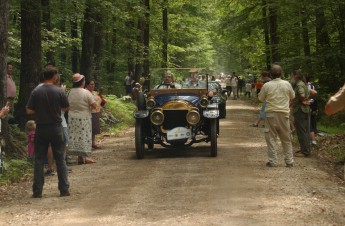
x,y
162,99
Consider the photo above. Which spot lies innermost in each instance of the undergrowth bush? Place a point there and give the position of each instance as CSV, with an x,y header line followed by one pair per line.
x,y
332,124
15,170
122,110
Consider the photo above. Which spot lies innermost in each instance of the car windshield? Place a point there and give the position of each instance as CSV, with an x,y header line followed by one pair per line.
x,y
179,79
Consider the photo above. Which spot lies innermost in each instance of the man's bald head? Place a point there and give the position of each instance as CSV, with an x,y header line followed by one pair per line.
x,y
276,71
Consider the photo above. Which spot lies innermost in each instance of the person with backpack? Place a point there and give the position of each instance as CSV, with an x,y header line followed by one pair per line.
x,y
313,111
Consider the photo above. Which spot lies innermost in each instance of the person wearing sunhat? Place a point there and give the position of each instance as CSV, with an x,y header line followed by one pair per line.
x,y
79,120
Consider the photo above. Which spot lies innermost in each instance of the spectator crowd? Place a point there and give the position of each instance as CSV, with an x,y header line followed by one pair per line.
x,y
287,108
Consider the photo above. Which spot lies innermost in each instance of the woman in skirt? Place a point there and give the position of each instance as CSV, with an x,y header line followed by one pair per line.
x,y
79,120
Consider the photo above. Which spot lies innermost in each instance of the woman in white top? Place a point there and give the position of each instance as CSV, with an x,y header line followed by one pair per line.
x,y
79,120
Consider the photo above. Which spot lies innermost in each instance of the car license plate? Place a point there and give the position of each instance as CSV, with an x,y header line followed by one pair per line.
x,y
178,133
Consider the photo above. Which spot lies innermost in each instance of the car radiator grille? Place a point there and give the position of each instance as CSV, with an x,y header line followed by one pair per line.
x,y
174,118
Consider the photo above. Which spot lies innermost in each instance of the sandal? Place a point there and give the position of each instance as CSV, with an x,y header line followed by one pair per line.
x,y
89,161
254,125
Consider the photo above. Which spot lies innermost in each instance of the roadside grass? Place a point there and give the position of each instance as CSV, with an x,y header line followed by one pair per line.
x,y
16,170
122,110
331,147
118,117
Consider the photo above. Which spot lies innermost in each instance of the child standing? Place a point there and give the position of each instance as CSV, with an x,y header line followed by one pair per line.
x,y
30,129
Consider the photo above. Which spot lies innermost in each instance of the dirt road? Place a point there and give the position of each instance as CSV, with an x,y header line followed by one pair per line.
x,y
186,187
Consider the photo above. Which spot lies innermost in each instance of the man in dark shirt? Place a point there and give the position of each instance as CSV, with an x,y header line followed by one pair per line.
x,y
46,102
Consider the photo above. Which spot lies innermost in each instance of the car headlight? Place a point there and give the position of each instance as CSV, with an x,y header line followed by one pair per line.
x,y
204,102
157,117
150,103
193,117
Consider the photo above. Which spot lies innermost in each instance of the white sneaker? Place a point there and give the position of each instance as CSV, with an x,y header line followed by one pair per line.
x,y
313,142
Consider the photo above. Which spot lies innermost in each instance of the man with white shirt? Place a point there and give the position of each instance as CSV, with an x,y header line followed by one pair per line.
x,y
168,82
277,94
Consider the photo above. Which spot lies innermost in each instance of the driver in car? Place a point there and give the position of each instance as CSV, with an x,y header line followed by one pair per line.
x,y
168,82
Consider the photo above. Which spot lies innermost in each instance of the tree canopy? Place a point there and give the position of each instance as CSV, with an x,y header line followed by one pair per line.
x,y
104,39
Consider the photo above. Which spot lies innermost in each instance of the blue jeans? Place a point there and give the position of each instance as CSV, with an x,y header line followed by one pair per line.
x,y
49,134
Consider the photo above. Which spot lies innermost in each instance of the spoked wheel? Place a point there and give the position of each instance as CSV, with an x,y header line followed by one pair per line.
x,y
213,137
139,139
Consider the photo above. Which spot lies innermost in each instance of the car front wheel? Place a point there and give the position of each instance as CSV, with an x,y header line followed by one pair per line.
x,y
139,139
213,137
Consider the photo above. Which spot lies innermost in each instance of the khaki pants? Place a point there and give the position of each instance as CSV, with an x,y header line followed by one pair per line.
x,y
277,124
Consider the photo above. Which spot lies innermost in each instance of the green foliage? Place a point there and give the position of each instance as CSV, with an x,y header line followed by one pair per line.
x,y
333,124
337,152
16,170
332,129
123,112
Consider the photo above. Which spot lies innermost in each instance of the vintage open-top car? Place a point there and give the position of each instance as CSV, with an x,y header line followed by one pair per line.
x,y
177,113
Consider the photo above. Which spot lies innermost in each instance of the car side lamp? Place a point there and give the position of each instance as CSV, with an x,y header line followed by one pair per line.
x,y
150,103
157,117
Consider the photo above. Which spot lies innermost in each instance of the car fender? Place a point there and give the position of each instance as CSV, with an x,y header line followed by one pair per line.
x,y
211,111
141,114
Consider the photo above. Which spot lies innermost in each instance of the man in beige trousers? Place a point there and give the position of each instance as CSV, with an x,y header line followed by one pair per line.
x,y
277,94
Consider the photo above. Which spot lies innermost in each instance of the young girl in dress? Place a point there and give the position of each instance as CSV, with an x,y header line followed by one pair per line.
x,y
30,130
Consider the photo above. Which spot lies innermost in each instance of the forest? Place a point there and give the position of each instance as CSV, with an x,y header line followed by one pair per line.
x,y
104,39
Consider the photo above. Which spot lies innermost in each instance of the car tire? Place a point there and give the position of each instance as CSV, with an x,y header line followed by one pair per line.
x,y
139,139
213,137
141,102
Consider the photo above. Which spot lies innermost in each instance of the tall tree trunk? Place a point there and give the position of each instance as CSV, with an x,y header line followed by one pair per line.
x,y
147,43
266,34
341,30
10,148
88,40
139,50
111,63
322,36
274,37
305,38
130,45
3,48
98,48
74,35
47,25
165,34
325,61
31,55
62,26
